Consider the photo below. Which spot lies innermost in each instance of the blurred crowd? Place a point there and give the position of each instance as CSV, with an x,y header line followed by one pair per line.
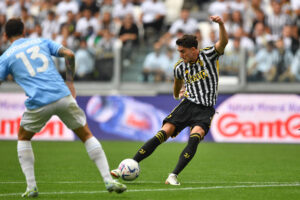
x,y
264,37
264,34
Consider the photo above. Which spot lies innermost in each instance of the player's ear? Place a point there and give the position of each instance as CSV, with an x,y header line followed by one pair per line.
x,y
194,49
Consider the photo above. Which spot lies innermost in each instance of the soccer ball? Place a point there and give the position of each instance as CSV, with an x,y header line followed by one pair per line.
x,y
129,169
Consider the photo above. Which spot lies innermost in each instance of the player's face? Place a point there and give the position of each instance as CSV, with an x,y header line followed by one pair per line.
x,y
187,54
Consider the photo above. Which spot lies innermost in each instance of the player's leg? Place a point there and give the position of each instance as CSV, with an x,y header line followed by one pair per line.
x,y
170,128
32,122
26,159
147,149
75,119
96,154
196,135
199,119
94,150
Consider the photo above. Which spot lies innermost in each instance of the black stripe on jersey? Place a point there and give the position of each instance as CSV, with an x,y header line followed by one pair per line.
x,y
214,60
194,86
198,86
180,61
209,55
206,86
212,71
213,57
192,89
216,74
178,73
208,81
187,85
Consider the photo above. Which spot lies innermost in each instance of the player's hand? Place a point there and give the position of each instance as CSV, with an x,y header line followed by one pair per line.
x,y
181,92
216,19
71,87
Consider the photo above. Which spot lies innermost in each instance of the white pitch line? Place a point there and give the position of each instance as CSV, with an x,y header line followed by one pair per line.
x,y
165,189
156,182
214,187
12,182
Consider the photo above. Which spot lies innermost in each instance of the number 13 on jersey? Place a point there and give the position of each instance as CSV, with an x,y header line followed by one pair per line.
x,y
34,54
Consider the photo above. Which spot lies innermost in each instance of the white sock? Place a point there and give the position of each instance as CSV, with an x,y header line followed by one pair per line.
x,y
26,159
96,153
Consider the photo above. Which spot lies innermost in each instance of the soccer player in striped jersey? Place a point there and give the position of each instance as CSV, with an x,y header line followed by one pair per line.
x,y
29,62
196,82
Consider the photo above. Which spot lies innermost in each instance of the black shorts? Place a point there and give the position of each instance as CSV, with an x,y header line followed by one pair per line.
x,y
190,114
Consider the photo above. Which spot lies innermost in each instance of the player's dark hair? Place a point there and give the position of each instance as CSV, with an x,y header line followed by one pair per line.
x,y
187,41
14,27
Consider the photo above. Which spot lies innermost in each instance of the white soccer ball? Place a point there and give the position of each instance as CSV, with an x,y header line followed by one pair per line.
x,y
129,169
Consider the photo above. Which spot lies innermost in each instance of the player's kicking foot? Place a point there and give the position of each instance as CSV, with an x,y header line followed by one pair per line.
x,y
172,180
116,173
31,193
116,186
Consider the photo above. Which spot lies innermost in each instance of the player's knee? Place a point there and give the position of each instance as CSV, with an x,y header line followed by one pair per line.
x,y
169,129
83,133
24,135
199,130
161,136
195,138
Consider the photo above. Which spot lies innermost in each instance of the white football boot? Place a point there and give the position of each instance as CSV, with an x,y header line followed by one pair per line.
x,y
115,173
116,186
31,193
172,180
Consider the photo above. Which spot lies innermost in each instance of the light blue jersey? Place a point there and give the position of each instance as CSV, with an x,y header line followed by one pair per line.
x,y
29,62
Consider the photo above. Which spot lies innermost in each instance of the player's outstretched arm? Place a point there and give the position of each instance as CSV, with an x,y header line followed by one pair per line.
x,y
70,68
176,88
223,36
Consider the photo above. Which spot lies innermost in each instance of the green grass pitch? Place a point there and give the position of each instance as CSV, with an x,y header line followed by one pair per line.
x,y
218,171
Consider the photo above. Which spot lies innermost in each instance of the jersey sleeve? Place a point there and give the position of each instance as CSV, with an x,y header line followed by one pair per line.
x,y
177,71
211,53
53,47
3,70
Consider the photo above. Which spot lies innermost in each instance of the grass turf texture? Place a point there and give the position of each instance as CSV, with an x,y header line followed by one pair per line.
x,y
218,171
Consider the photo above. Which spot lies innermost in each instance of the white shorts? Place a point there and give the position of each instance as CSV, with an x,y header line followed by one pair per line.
x,y
66,109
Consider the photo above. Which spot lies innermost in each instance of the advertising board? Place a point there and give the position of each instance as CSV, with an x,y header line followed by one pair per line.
x,y
259,118
11,110
266,118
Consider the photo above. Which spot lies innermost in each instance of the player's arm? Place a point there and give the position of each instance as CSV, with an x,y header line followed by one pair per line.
x,y
70,62
223,36
177,87
70,68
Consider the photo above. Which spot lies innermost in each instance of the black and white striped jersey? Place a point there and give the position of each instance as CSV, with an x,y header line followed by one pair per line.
x,y
200,78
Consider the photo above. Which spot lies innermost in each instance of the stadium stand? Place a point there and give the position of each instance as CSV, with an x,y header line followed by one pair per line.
x,y
253,26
